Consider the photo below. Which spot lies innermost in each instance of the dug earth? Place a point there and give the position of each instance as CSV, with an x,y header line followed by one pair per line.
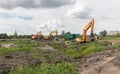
x,y
109,63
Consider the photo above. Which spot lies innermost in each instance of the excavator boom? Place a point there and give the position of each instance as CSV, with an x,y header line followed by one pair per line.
x,y
89,25
84,36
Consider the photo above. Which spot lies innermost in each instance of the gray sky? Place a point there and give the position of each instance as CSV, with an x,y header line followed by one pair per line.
x,y
30,16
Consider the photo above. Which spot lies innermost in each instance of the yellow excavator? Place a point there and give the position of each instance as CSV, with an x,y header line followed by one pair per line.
x,y
39,36
51,35
84,36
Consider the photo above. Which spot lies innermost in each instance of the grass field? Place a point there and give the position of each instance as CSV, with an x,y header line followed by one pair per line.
x,y
36,59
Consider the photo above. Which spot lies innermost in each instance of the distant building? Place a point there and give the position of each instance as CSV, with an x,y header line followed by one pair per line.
x,y
113,32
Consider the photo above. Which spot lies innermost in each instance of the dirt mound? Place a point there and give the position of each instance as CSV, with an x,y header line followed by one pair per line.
x,y
47,47
10,45
107,65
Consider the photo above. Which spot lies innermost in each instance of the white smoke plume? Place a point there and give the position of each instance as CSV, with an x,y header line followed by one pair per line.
x,y
54,25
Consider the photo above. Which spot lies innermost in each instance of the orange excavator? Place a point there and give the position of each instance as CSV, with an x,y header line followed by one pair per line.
x,y
37,35
84,36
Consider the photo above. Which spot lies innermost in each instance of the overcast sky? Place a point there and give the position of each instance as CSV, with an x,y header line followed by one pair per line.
x,y
30,16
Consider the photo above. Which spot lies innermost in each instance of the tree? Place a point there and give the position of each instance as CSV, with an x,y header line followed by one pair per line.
x,y
103,33
68,33
4,36
15,35
63,32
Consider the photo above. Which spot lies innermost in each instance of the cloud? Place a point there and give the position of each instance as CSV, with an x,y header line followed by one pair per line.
x,y
9,4
22,20
106,17
25,17
51,26
80,10
5,15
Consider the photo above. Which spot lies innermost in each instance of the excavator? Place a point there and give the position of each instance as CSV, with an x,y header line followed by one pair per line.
x,y
84,38
51,35
37,35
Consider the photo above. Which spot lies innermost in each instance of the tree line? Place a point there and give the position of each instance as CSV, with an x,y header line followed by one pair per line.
x,y
103,33
15,35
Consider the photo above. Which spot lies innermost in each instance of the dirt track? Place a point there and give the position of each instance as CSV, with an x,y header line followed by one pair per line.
x,y
107,62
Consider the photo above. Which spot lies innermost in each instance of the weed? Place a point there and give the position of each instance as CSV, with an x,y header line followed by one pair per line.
x,y
61,68
25,46
92,50
115,46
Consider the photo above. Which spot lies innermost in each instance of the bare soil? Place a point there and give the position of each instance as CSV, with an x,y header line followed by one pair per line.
x,y
107,62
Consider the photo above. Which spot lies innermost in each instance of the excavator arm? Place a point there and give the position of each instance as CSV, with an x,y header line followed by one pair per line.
x,y
51,34
89,25
84,36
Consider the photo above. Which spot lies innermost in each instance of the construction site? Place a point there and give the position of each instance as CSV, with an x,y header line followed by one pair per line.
x,y
61,54
59,37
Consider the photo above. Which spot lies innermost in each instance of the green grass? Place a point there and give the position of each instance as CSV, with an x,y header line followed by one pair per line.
x,y
110,38
50,58
87,49
92,50
115,46
61,68
25,46
73,50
